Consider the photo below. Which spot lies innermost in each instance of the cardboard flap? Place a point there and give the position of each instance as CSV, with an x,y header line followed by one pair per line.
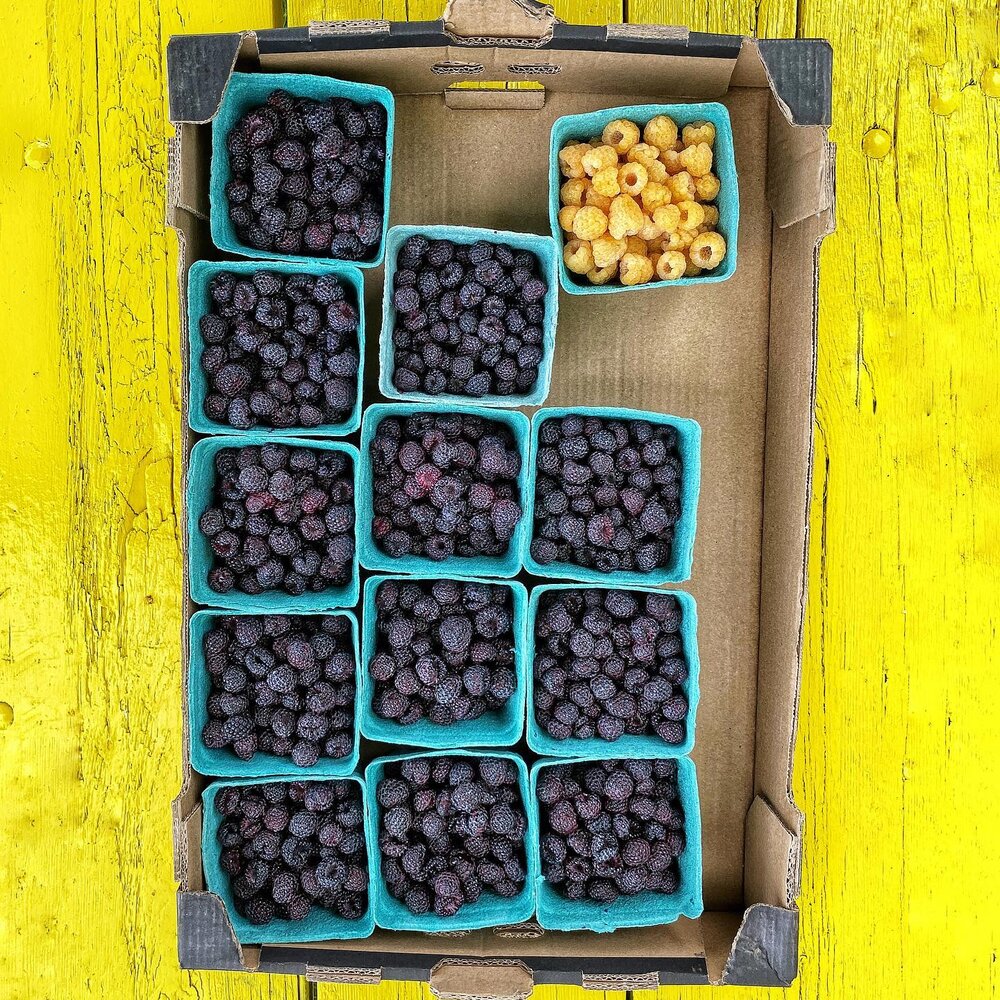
x,y
481,979
484,22
198,68
765,952
205,938
488,99
343,975
800,74
772,856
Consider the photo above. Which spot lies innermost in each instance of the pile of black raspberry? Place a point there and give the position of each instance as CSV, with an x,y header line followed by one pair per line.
x,y
280,350
444,485
290,847
607,493
308,177
444,651
611,828
469,318
449,830
281,684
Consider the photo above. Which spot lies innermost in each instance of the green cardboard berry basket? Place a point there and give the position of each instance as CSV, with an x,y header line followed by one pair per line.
x,y
224,763
647,746
199,280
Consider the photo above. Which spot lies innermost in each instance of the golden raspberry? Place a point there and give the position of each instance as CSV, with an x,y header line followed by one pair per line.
x,y
636,244
622,134
599,158
643,153
566,216
635,269
681,187
656,171
671,265
654,195
589,223
573,190
632,178
660,132
707,187
691,269
625,217
671,161
578,256
707,250
654,256
679,239
607,251
606,181
698,132
598,200
692,214
711,215
650,230
595,141
697,160
667,217
571,159
601,276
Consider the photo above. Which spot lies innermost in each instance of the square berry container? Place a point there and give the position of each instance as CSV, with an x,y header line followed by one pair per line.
x,y
501,728
547,252
200,484
646,909
224,763
647,746
247,90
320,925
489,910
200,277
372,557
581,127
682,550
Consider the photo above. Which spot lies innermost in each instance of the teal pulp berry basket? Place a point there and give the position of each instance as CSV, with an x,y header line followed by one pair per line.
x,y
372,557
200,490
249,90
649,746
501,728
579,128
547,252
489,910
682,550
199,304
224,763
321,924
646,909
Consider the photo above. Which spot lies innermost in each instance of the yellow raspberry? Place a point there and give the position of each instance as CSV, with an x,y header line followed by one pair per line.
x,y
660,132
595,141
635,269
589,223
691,269
643,153
625,217
650,230
636,244
601,276
573,190
692,214
671,265
598,200
654,195
707,250
707,188
606,181
667,217
578,256
632,178
566,216
621,134
571,159
599,158
711,215
698,132
697,160
607,251
671,161
656,171
681,187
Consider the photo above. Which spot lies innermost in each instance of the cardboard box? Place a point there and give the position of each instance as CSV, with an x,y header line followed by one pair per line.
x,y
739,357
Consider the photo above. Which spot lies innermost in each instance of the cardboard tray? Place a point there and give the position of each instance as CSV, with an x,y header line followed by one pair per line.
x,y
738,357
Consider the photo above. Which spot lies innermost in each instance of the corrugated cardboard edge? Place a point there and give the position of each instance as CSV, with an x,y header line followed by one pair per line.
x,y
765,952
198,68
488,22
205,938
481,979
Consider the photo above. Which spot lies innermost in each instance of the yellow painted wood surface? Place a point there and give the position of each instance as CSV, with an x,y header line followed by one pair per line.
x,y
896,765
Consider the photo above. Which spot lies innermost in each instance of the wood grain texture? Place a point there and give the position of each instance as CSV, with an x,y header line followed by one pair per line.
x,y
896,766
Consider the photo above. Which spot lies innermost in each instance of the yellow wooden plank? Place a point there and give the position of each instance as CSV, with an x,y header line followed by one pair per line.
x,y
765,18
